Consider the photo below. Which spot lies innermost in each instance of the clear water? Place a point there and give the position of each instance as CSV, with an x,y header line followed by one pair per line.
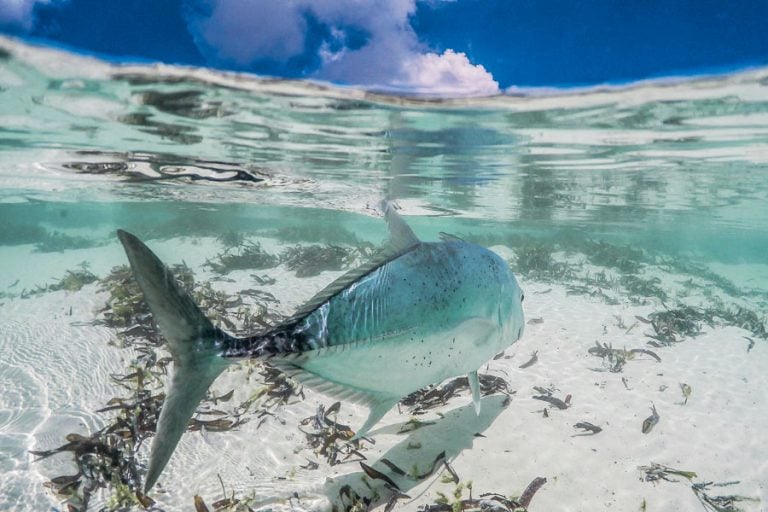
x,y
609,204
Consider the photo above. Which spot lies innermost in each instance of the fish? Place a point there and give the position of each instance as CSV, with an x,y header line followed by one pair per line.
x,y
651,420
415,315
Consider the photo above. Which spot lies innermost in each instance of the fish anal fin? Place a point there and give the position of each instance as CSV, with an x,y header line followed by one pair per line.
x,y
378,409
474,386
377,403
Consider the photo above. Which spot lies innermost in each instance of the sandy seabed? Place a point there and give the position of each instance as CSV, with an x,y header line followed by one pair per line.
x,y
55,365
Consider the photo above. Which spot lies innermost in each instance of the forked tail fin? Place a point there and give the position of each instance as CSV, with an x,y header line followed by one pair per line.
x,y
192,339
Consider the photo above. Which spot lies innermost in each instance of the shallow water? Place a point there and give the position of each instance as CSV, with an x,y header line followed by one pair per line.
x,y
630,215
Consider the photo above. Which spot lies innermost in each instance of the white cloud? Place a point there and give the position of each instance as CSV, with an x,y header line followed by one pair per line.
x,y
449,74
243,31
19,13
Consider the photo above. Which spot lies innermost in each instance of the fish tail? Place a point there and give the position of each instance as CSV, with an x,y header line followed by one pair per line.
x,y
194,343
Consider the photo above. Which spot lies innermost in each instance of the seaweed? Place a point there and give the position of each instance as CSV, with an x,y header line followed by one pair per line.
x,y
351,501
615,359
553,400
547,395
657,472
229,503
56,241
125,309
672,324
331,439
487,502
245,256
641,289
623,258
311,260
231,239
263,280
727,503
587,428
431,397
72,281
720,503
688,267
106,458
533,258
278,389
328,233
75,279
533,360
743,318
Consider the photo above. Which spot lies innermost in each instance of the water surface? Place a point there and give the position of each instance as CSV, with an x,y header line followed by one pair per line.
x,y
637,212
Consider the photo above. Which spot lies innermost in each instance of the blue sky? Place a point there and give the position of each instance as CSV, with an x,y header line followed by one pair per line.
x,y
431,46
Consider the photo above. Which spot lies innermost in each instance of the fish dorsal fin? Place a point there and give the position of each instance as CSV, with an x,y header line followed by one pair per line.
x,y
401,240
447,237
401,236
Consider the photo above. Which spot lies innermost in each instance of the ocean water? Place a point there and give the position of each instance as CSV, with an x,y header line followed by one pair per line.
x,y
635,217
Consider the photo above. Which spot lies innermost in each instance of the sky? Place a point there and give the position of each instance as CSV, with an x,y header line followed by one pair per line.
x,y
434,47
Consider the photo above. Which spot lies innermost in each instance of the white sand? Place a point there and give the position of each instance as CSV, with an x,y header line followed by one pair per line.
x,y
56,370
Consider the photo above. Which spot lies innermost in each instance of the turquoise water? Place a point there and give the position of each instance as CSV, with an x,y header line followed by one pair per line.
x,y
637,201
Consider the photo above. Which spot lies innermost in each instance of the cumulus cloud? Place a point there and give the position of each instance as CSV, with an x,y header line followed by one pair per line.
x,y
242,31
360,42
19,13
449,74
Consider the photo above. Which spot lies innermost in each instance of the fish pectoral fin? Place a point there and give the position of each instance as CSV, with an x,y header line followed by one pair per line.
x,y
378,409
474,386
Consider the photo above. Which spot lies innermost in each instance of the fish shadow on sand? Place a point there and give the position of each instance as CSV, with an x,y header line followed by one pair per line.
x,y
452,434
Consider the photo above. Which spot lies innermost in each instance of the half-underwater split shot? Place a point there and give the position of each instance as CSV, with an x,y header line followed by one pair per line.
x,y
421,256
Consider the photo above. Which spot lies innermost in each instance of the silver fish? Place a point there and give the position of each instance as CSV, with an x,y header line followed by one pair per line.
x,y
651,420
421,313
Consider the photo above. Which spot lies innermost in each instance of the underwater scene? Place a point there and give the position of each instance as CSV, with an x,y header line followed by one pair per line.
x,y
634,219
